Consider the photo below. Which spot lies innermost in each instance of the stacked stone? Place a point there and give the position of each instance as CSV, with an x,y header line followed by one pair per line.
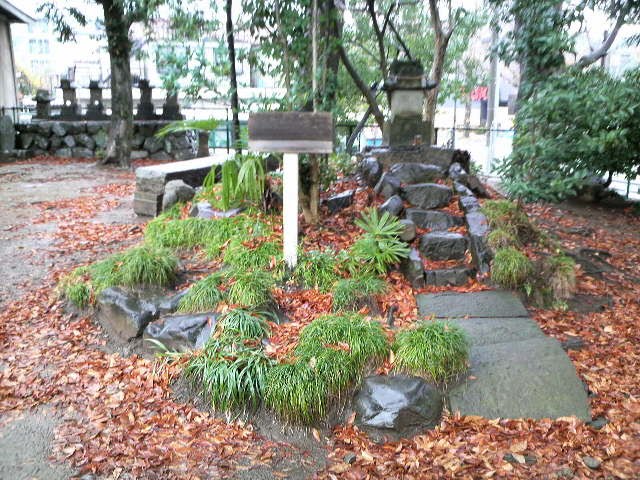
x,y
415,183
86,139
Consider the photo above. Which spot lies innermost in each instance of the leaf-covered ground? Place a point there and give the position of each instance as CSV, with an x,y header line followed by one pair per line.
x,y
121,419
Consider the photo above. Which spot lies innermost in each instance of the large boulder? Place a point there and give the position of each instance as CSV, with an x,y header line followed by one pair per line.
x,y
413,269
340,201
427,195
393,206
205,210
126,313
443,246
397,406
410,173
387,186
432,219
180,332
176,191
370,171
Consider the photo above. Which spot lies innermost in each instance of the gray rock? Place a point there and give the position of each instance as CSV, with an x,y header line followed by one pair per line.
x,y
85,140
397,406
153,144
176,191
100,139
387,186
44,128
457,173
122,313
476,186
448,276
137,140
79,152
591,462
409,232
529,459
69,141
41,142
55,143
598,423
531,378
478,228
178,332
409,173
339,201
204,210
393,206
7,134
486,304
573,343
26,139
469,203
427,195
95,127
443,245
161,155
139,154
370,170
349,458
412,268
64,152
432,219
461,189
58,130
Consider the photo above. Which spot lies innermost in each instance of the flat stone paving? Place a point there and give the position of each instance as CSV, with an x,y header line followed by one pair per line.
x,y
516,370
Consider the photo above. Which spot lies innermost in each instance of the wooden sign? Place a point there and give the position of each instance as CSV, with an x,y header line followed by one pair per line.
x,y
291,132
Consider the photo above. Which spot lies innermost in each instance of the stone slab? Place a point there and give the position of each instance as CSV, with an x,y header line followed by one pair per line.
x,y
532,378
489,331
488,304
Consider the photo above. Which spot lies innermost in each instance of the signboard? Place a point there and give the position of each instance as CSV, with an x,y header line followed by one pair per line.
x,y
291,133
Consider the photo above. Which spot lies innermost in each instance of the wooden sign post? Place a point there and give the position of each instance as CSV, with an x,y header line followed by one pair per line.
x,y
291,133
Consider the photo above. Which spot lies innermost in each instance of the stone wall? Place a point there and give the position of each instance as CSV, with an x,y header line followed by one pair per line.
x,y
87,139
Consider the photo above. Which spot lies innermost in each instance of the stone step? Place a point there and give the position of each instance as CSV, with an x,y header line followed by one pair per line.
x,y
531,378
443,245
444,277
427,195
433,219
486,304
489,331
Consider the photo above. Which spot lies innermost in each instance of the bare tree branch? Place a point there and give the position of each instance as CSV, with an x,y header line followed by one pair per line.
x,y
403,45
601,51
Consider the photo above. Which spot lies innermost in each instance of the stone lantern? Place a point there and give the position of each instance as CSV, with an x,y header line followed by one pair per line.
x,y
43,104
69,110
95,109
407,85
146,109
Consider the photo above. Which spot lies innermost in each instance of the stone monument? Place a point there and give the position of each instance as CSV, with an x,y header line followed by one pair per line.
x,y
69,110
171,108
95,109
43,104
146,110
407,85
7,136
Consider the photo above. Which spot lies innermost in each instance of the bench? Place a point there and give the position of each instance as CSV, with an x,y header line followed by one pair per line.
x,y
150,181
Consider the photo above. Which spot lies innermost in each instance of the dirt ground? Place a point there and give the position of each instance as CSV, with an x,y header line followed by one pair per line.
x,y
27,254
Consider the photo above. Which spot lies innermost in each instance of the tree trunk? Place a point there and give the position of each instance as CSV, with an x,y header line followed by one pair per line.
x,y
233,80
437,69
467,115
118,148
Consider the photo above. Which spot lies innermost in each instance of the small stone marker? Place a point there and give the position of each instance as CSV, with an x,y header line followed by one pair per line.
x,y
291,133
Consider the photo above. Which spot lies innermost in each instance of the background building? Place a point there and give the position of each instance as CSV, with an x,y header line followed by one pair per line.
x,y
8,14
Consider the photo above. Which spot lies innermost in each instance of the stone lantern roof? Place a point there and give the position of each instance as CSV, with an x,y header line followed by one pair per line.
x,y
407,75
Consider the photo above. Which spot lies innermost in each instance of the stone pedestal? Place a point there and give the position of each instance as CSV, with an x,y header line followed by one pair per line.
x,y
171,108
146,110
43,104
95,109
69,110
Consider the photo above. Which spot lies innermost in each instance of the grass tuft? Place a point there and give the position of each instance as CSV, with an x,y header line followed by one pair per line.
x,y
244,324
437,350
250,288
502,237
267,255
317,269
562,280
509,215
511,268
78,293
353,293
204,295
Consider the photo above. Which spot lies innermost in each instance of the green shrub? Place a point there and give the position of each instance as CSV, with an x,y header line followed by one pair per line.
x,y
437,350
353,293
502,237
511,268
230,377
380,246
240,323
317,269
365,339
250,288
78,293
296,392
204,295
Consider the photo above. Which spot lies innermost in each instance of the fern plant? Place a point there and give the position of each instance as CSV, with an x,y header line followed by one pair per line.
x,y
186,125
380,246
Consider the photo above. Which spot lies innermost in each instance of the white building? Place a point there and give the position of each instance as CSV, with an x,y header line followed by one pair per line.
x,y
9,14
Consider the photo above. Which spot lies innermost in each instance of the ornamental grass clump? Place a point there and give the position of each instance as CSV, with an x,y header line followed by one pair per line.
x,y
204,295
317,269
510,216
79,293
562,276
243,324
502,237
331,356
267,255
354,293
438,351
231,377
511,268
250,288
